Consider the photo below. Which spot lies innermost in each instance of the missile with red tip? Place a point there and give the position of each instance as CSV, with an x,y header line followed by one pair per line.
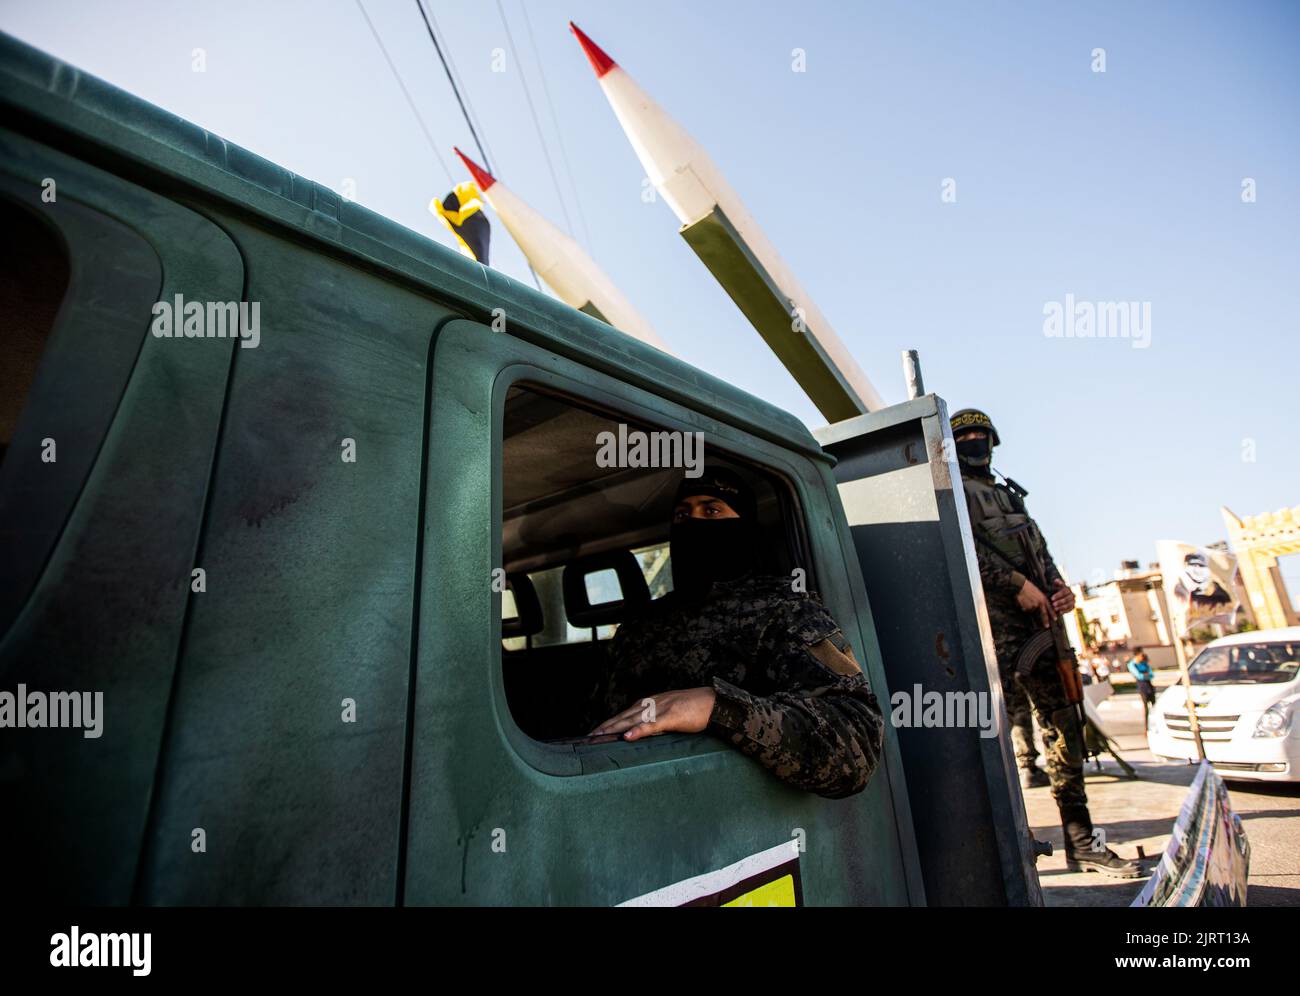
x,y
725,236
560,261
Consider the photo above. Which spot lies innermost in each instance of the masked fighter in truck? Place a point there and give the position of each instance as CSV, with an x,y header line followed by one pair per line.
x,y
742,655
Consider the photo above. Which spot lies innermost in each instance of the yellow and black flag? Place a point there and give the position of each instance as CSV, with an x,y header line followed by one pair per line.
x,y
462,212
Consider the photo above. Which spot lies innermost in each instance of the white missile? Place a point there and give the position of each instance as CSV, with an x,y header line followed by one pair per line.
x,y
723,233
560,261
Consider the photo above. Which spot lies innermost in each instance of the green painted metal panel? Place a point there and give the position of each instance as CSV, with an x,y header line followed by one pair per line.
x,y
596,832
748,283
311,565
901,492
110,540
593,311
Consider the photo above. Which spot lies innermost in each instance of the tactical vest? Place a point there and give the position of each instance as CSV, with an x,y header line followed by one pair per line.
x,y
998,516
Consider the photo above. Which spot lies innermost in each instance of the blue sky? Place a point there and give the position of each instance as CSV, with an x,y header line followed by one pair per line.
x,y
1115,186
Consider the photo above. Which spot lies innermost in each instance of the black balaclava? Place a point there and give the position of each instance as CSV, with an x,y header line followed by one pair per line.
x,y
708,550
976,454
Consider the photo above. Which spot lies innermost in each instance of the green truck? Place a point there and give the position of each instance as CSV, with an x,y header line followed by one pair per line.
x,y
309,502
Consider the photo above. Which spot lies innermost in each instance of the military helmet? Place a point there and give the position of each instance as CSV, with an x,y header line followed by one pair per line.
x,y
973,418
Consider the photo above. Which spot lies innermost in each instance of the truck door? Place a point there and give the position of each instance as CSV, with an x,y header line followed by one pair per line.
x,y
501,809
107,444
901,492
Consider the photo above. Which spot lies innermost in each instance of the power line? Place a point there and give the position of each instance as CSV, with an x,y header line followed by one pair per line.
x,y
536,121
564,152
433,146
454,88
460,83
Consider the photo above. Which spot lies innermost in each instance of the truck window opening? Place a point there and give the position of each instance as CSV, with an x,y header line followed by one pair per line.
x,y
584,546
33,278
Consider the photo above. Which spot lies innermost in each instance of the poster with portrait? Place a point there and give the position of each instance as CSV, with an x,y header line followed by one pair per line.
x,y
1200,585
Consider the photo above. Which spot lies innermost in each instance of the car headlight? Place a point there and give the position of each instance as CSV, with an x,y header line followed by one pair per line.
x,y
1276,720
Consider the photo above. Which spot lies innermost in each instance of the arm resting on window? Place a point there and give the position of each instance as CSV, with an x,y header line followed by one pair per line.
x,y
822,729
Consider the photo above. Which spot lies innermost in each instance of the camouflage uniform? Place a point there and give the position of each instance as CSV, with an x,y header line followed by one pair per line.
x,y
1010,548
789,692
1021,718
989,501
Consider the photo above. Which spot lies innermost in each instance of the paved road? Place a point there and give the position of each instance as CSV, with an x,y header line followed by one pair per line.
x,y
1141,813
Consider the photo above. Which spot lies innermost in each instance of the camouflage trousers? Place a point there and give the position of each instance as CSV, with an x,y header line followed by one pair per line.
x,y
1057,719
1020,716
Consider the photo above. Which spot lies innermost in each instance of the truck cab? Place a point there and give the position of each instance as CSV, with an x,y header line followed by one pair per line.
x,y
345,590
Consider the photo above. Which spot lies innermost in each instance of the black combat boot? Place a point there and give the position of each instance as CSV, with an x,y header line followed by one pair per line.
x,y
1079,849
1032,776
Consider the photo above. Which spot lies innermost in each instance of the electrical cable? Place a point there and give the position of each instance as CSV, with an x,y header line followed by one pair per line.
x,y
433,146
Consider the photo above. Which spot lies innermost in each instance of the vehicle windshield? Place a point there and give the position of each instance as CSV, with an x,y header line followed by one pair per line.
x,y
1246,664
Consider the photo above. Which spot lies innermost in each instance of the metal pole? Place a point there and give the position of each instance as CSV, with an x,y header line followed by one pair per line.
x,y
1195,724
912,374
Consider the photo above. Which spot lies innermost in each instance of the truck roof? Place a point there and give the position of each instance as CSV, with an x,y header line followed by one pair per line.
x,y
57,102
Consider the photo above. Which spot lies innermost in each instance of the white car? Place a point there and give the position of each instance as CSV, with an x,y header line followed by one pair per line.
x,y
1246,690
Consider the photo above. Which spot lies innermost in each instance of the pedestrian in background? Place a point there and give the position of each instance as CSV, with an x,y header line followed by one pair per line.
x,y
1140,667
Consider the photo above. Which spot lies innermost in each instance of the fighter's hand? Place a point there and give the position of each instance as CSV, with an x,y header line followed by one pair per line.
x,y
686,710
1031,599
1062,598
